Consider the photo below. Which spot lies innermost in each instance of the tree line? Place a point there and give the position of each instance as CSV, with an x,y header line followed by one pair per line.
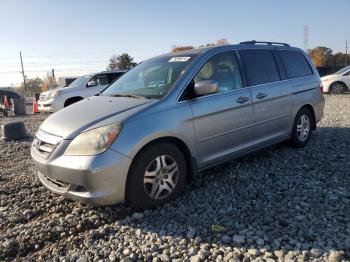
x,y
323,56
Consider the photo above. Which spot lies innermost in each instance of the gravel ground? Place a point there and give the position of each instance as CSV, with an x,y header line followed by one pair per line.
x,y
280,204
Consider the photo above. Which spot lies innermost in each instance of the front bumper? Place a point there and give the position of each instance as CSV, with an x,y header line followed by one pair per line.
x,y
48,105
326,84
94,180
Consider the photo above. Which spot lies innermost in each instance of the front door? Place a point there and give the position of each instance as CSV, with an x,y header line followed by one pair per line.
x,y
223,122
100,83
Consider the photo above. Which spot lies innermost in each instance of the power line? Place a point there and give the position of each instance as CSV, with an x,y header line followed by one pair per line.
x,y
57,63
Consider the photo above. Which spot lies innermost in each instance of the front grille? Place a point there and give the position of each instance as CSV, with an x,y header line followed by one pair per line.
x,y
43,148
44,143
43,97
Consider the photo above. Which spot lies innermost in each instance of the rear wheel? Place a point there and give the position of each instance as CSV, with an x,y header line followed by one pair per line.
x,y
337,88
302,128
157,176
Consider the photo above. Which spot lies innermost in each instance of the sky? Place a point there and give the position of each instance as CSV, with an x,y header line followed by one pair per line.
x,y
78,37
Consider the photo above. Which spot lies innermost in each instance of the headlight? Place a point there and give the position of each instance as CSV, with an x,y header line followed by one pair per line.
x,y
55,94
94,141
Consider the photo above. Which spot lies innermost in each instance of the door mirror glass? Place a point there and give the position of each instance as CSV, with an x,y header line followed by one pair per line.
x,y
91,83
205,87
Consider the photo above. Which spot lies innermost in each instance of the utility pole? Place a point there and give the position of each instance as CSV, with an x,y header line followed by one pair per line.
x,y
306,38
24,78
346,52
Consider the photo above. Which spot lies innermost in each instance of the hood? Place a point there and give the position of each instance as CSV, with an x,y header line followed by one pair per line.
x,y
324,78
72,120
64,89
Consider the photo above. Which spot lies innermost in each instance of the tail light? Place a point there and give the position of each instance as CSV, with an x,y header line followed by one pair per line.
x,y
321,88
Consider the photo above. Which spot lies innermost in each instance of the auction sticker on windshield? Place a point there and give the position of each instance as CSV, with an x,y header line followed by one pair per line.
x,y
180,59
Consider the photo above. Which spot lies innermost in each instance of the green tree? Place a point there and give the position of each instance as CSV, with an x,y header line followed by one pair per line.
x,y
121,62
320,55
323,56
33,86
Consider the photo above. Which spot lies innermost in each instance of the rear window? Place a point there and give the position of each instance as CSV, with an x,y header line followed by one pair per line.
x,y
260,66
295,64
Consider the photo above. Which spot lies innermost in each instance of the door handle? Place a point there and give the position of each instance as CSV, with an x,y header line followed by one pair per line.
x,y
242,99
261,95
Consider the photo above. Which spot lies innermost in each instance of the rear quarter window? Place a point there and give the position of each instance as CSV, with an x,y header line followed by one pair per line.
x,y
260,66
295,64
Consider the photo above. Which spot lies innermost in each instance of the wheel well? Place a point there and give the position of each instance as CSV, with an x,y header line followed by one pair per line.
x,y
190,161
347,88
72,100
309,107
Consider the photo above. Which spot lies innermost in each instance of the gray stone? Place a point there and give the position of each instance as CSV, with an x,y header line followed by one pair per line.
x,y
260,241
316,252
126,252
238,239
137,216
196,259
226,239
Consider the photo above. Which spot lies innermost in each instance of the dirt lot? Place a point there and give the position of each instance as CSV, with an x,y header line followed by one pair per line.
x,y
278,204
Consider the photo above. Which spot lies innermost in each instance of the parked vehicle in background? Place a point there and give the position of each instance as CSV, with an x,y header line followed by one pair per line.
x,y
174,115
328,70
337,83
82,87
9,94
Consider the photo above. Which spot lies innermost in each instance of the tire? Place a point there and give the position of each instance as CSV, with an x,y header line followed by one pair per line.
x,y
337,88
164,180
302,128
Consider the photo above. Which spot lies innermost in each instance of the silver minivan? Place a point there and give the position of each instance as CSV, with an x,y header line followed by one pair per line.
x,y
174,115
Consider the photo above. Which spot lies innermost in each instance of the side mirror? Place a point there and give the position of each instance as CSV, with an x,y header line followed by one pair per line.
x,y
91,83
206,87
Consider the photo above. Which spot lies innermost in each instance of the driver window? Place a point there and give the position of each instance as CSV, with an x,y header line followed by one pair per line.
x,y
100,80
222,68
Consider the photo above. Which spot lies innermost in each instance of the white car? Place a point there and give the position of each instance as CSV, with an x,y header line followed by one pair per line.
x,y
338,82
83,87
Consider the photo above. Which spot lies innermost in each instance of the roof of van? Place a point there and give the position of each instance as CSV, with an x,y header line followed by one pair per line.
x,y
111,71
242,45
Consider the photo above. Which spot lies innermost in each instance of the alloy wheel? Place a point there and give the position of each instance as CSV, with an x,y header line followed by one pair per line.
x,y
337,88
161,177
303,128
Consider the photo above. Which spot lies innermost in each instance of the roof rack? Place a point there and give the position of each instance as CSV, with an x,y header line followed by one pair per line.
x,y
253,42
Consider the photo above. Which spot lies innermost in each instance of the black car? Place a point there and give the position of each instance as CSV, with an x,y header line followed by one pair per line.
x,y
9,94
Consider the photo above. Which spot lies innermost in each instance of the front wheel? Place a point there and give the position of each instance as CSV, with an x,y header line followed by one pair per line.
x,y
337,88
157,176
302,128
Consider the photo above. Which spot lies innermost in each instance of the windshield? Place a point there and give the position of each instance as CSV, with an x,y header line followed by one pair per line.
x,y
152,78
80,81
343,70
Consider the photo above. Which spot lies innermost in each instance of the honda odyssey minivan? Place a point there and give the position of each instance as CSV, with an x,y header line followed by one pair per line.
x,y
174,115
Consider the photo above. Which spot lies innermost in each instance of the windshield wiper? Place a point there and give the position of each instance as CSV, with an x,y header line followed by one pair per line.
x,y
128,95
